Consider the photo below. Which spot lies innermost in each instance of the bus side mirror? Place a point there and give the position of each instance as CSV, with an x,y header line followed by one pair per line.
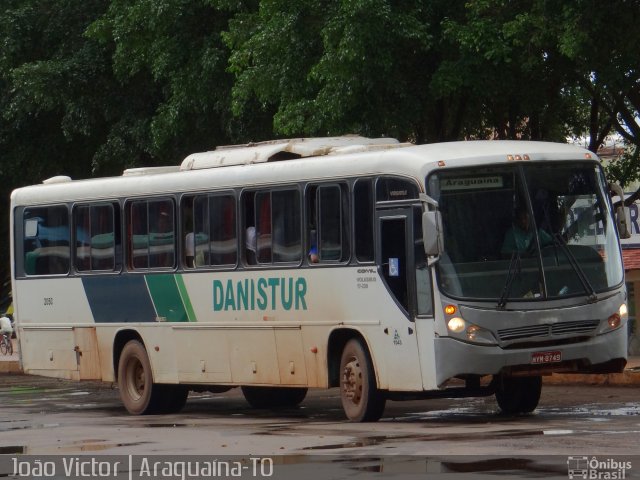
x,y
622,216
621,212
432,232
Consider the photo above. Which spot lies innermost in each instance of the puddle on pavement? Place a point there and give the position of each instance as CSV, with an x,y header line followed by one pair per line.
x,y
28,426
167,425
594,410
500,466
12,449
95,446
479,436
361,442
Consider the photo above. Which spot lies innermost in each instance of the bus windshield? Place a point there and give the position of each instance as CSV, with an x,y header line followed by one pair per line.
x,y
526,232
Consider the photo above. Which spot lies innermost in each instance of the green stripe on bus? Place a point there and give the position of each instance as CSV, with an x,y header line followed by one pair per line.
x,y
166,298
191,314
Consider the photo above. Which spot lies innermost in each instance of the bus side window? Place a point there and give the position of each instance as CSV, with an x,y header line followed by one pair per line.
x,y
287,238
151,234
161,234
327,223
222,219
82,222
263,227
423,272
46,240
248,228
363,219
138,237
97,237
188,230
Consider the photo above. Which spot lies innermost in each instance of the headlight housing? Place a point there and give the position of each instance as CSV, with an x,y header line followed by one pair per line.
x,y
469,332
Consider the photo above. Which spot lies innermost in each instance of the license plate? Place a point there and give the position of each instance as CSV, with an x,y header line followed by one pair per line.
x,y
546,357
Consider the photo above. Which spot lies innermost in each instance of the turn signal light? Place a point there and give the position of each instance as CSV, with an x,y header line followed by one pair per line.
x,y
450,309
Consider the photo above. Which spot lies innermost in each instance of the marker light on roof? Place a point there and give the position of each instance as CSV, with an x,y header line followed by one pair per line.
x,y
587,156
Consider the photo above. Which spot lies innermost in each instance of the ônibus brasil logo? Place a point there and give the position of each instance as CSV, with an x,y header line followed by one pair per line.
x,y
597,469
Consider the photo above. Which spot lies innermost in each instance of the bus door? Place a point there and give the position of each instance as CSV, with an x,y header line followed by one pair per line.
x,y
396,263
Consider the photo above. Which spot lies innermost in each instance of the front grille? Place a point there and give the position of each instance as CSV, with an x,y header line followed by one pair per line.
x,y
524,332
581,327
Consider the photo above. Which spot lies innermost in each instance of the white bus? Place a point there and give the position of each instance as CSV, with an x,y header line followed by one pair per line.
x,y
389,270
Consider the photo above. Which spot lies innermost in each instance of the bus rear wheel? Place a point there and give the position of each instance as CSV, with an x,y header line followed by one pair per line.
x,y
518,394
361,399
135,381
274,397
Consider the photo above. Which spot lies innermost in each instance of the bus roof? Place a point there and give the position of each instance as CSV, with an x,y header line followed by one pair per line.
x,y
278,150
312,159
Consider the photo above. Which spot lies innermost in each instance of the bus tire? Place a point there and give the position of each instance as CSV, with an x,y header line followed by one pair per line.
x,y
361,399
274,397
518,394
172,398
135,381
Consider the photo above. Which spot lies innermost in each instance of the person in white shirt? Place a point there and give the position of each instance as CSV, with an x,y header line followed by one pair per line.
x,y
5,326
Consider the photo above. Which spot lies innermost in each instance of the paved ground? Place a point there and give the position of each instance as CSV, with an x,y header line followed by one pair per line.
x,y
455,438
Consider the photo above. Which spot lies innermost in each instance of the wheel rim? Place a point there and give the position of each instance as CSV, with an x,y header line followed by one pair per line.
x,y
352,381
135,379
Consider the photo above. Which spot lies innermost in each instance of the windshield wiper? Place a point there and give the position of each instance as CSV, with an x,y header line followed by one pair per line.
x,y
588,288
514,269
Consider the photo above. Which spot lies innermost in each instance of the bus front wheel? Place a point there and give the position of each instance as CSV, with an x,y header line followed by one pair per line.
x,y
135,380
361,399
518,394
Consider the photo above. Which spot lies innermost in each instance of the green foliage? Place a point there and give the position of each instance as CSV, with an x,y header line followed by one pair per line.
x,y
365,66
48,78
92,87
626,169
174,47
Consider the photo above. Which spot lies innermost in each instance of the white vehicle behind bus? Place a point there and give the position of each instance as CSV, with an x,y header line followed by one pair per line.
x,y
389,270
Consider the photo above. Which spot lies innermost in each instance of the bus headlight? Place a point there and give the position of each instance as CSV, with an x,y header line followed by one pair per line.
x,y
469,332
623,311
478,334
456,324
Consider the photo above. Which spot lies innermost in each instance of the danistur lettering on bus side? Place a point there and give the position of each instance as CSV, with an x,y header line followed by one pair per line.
x,y
269,293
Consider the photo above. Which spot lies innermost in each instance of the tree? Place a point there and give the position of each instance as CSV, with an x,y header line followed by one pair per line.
x,y
607,63
51,79
174,48
373,67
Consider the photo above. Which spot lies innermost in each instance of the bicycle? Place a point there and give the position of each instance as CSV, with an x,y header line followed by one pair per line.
x,y
6,347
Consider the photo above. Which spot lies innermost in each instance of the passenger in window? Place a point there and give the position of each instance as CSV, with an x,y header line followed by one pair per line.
x,y
189,248
520,237
314,257
189,238
250,245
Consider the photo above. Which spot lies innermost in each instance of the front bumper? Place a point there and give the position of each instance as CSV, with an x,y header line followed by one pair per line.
x,y
604,353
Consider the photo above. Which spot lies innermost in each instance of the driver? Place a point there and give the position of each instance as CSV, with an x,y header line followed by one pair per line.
x,y
519,238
